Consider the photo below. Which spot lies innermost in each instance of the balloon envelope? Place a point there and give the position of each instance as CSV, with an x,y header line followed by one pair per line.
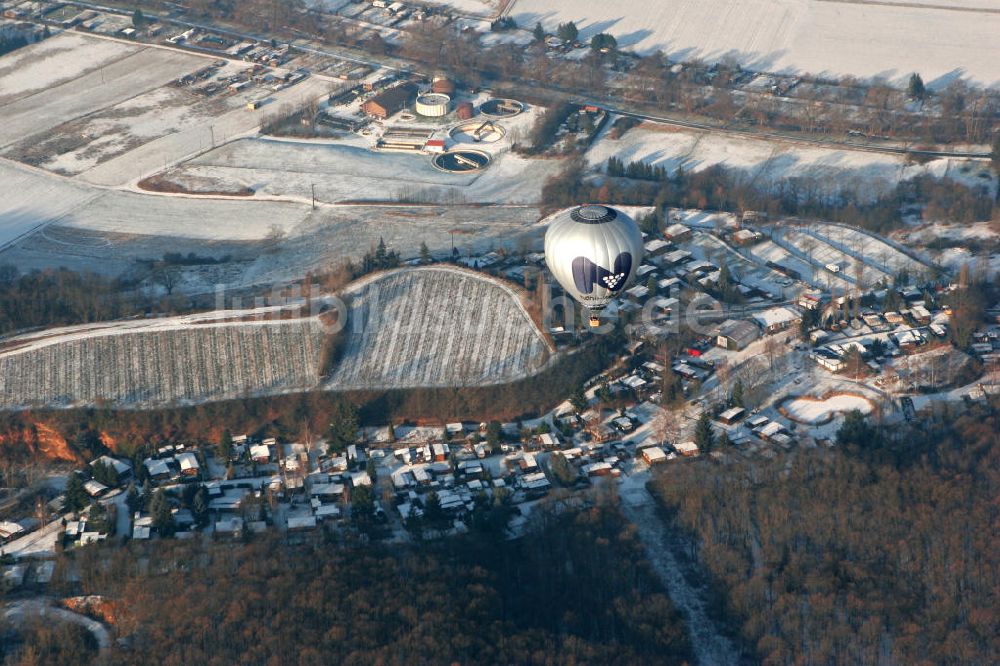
x,y
593,252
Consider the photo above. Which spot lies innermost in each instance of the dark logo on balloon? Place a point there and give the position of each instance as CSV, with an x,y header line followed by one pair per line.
x,y
587,274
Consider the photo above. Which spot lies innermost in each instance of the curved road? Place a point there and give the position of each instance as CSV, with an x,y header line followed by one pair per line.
x,y
19,612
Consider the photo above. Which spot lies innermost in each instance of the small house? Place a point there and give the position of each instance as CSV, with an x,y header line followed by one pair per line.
x,y
777,319
653,455
732,415
677,233
687,449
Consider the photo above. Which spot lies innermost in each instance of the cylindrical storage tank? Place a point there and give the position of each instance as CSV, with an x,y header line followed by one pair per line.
x,y
442,85
433,105
464,111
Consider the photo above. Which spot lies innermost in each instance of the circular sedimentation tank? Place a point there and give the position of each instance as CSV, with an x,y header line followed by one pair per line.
x,y
462,161
498,107
433,105
484,131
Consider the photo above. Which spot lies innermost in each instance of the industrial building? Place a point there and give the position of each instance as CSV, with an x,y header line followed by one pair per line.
x,y
391,101
433,105
736,334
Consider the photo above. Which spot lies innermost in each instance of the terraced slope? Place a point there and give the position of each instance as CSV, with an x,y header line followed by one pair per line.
x,y
407,328
436,327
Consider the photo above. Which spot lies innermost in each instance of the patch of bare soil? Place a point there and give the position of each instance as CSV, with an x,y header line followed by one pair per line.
x,y
192,185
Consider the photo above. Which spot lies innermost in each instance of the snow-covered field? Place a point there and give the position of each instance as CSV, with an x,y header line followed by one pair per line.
x,y
834,173
476,7
815,410
97,89
164,365
32,198
133,122
436,327
54,61
195,135
960,243
346,171
29,200
81,105
831,37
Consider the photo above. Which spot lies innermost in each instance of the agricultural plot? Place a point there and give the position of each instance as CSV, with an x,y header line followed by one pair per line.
x,y
158,367
833,37
55,61
409,328
196,135
436,327
125,126
94,90
31,200
827,174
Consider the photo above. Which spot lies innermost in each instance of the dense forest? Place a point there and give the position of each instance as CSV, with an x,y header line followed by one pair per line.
x,y
57,297
575,590
41,643
884,549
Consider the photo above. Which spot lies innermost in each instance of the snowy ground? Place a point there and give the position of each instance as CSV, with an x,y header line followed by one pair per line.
x,y
478,7
973,244
122,127
99,88
830,37
194,136
437,327
814,410
110,231
32,198
55,61
102,110
824,254
861,175
347,172
771,251
709,644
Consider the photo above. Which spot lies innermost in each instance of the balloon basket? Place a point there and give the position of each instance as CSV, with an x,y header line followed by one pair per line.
x,y
594,321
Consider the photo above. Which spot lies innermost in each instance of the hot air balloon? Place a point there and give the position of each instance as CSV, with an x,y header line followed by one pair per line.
x,y
593,252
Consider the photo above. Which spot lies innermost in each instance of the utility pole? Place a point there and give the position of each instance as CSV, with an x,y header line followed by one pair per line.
x,y
313,186
211,128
